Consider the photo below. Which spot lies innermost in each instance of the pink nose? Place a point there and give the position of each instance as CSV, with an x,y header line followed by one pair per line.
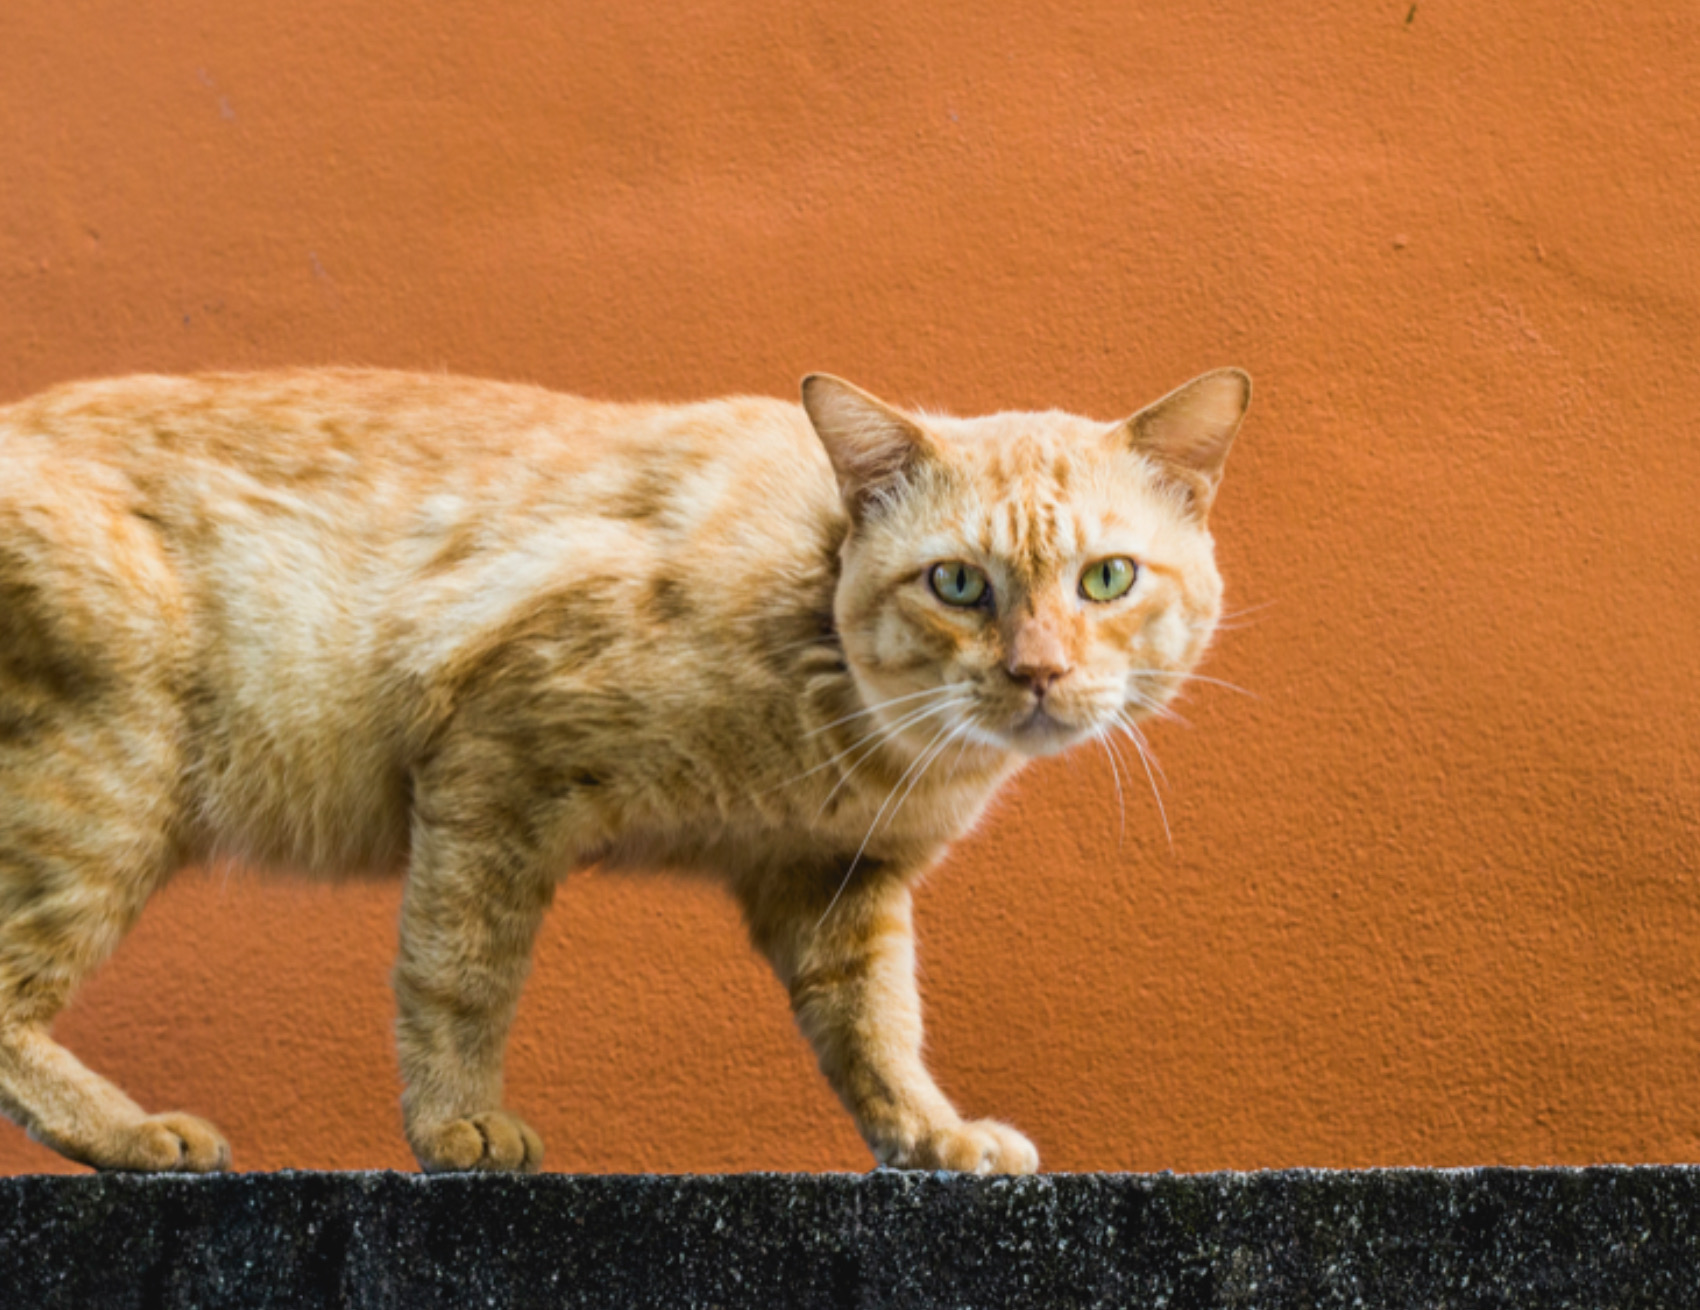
x,y
1041,677
1037,656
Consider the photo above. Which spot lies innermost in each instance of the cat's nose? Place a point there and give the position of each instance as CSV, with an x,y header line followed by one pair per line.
x,y
1041,678
1039,674
1038,658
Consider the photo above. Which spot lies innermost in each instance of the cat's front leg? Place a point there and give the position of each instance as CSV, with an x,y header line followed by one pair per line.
x,y
851,979
475,896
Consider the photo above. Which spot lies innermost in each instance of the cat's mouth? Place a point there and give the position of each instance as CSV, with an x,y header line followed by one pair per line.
x,y
1040,732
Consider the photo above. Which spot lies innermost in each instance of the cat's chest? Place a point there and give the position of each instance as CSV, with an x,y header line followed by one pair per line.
x,y
901,805
893,814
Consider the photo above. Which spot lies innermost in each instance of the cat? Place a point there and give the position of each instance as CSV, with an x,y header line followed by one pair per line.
x,y
481,634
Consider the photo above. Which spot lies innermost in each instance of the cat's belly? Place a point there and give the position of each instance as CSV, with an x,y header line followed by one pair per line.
x,y
299,794
295,758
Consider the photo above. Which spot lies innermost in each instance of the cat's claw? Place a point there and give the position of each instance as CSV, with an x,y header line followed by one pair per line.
x,y
983,1146
494,1142
167,1143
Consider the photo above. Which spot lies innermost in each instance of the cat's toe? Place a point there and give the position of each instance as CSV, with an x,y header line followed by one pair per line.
x,y
983,1146
493,1141
170,1143
1011,1152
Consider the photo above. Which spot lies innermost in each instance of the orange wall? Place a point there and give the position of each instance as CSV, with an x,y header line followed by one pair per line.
x,y
1432,898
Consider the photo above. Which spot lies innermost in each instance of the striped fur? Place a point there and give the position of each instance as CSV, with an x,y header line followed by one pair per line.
x,y
349,622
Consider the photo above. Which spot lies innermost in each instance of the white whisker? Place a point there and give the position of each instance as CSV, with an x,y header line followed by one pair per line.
x,y
1115,741
884,733
920,716
856,859
895,700
1229,622
932,753
1156,709
1121,803
1195,677
1134,731
1145,758
961,750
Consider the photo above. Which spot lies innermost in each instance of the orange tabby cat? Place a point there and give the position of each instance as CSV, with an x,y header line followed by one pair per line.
x,y
340,620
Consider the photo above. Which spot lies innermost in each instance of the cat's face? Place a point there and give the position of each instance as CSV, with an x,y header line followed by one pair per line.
x,y
1026,581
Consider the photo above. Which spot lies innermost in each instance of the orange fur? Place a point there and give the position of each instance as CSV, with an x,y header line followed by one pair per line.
x,y
339,621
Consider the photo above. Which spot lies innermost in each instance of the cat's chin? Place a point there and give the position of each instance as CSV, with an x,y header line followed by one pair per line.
x,y
1041,733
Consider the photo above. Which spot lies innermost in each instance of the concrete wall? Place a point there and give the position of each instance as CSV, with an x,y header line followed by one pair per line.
x,y
1431,898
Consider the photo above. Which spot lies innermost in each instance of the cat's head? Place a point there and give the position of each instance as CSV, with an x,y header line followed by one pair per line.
x,y
1026,581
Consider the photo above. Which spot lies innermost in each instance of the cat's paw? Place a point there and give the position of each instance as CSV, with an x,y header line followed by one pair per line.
x,y
494,1141
983,1146
166,1143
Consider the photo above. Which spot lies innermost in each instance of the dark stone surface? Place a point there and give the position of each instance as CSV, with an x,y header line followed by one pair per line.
x,y
1594,1239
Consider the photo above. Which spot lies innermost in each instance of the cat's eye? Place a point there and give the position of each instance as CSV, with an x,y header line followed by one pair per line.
x,y
956,583
1108,579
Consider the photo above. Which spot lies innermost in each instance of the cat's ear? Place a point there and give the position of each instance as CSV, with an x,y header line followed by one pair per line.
x,y
1187,433
871,446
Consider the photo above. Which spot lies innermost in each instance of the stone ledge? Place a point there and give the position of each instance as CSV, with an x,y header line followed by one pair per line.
x,y
1583,1238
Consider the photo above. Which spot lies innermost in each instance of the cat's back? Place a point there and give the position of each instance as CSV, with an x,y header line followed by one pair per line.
x,y
411,454
298,427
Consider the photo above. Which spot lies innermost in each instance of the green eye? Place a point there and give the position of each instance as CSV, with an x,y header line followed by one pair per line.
x,y
956,583
1108,578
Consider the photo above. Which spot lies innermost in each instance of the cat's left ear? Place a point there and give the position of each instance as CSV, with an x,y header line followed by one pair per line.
x,y
1188,432
872,447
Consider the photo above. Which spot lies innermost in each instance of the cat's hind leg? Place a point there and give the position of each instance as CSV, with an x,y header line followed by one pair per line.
x,y
86,811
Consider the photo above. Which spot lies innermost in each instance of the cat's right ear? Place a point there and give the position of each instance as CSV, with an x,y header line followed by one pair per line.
x,y
1188,432
872,447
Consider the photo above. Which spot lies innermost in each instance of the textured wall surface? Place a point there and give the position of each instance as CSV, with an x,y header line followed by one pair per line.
x,y
1432,893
